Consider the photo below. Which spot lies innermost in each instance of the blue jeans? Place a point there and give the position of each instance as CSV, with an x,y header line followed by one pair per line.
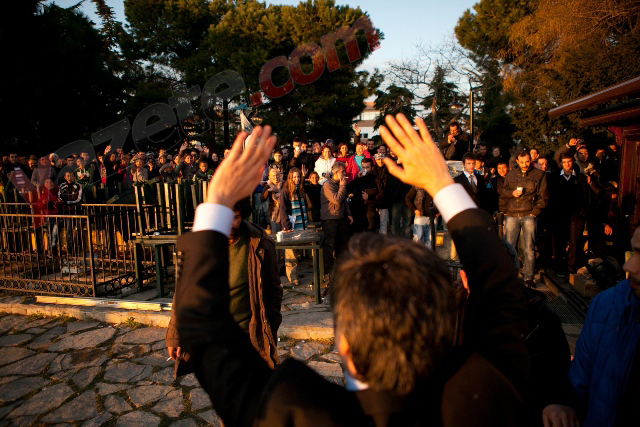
x,y
512,228
384,221
401,213
422,233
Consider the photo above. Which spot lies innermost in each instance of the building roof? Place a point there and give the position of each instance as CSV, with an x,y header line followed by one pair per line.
x,y
626,88
366,123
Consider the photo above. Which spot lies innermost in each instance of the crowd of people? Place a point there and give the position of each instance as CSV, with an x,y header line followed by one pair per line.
x,y
416,348
543,202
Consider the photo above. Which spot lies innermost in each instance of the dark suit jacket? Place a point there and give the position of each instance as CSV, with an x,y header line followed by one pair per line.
x,y
488,374
482,196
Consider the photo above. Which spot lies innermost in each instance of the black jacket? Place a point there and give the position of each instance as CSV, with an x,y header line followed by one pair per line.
x,y
482,385
482,196
456,149
383,197
569,198
534,197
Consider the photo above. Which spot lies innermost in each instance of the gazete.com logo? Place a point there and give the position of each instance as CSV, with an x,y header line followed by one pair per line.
x,y
147,132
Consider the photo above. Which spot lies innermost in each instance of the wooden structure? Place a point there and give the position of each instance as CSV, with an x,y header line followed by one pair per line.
x,y
623,120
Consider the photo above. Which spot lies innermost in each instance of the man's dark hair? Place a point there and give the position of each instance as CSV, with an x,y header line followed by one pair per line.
x,y
454,124
244,207
482,144
523,153
566,155
502,162
394,303
468,156
496,146
367,160
278,151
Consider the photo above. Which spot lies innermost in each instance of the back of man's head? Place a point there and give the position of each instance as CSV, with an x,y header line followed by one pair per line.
x,y
394,303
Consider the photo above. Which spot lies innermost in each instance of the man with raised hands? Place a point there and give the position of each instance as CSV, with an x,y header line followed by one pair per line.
x,y
394,312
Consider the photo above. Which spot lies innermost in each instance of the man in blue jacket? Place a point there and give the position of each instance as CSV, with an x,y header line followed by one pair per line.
x,y
605,373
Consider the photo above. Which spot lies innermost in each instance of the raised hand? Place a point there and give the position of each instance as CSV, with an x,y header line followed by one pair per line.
x,y
422,162
240,172
356,128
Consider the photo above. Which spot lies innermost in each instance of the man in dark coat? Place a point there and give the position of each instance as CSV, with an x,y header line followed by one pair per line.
x,y
457,143
362,192
430,384
569,197
475,184
255,291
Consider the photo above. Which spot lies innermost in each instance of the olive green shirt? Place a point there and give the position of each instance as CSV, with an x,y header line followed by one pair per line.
x,y
239,301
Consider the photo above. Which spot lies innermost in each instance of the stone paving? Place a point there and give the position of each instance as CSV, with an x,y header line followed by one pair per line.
x,y
63,372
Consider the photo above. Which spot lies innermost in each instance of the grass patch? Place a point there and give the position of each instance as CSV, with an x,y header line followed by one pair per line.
x,y
133,324
35,316
65,318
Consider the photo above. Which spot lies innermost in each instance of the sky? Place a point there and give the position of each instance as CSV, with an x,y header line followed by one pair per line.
x,y
404,23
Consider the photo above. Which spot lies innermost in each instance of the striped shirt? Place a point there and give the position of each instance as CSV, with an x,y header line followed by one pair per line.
x,y
299,212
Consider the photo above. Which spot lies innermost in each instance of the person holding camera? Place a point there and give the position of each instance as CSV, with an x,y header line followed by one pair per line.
x,y
457,143
324,164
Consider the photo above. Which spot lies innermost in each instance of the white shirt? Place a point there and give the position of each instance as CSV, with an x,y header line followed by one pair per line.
x,y
567,177
324,167
472,176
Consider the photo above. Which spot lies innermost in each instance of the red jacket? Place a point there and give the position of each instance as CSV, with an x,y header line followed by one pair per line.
x,y
352,166
47,201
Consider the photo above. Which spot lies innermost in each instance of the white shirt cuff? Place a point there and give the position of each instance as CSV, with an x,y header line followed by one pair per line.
x,y
212,217
452,200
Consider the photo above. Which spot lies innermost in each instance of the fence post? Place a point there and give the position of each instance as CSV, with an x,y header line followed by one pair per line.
x,y
91,263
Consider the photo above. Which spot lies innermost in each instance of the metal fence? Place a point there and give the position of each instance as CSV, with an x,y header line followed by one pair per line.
x,y
87,251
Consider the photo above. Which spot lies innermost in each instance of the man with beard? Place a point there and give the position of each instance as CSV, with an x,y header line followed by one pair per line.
x,y
362,191
254,290
457,143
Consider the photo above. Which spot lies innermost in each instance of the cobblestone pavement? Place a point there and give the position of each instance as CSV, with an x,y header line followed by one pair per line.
x,y
58,371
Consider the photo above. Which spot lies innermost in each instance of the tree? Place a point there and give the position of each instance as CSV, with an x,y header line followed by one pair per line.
x,y
393,101
485,31
442,94
200,38
58,85
551,52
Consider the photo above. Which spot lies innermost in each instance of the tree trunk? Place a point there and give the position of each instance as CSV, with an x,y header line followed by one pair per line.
x,y
434,114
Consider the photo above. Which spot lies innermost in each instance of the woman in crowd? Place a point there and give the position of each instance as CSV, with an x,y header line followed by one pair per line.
x,y
271,192
343,151
294,215
48,205
312,190
354,163
324,164
138,172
